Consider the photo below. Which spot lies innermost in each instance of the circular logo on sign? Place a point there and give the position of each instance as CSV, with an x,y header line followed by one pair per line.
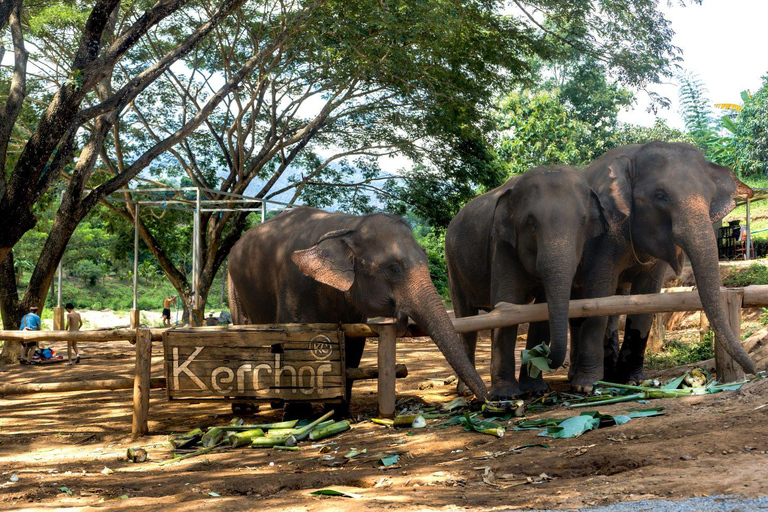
x,y
320,346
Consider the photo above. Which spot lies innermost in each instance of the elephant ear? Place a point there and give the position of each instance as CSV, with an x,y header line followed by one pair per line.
x,y
597,225
503,218
613,190
728,187
330,261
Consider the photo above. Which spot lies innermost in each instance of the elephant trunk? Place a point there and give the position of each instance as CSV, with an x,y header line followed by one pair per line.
x,y
558,279
696,236
424,305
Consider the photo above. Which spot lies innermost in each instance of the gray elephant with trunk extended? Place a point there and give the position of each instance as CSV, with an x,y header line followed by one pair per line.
x,y
660,201
520,242
307,265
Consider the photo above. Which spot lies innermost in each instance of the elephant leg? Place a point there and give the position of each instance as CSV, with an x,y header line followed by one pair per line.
x,y
575,325
629,367
353,353
611,342
611,348
602,282
538,332
504,385
469,340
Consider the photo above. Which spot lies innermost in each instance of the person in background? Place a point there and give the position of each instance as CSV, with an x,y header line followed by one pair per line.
x,y
30,322
74,323
167,310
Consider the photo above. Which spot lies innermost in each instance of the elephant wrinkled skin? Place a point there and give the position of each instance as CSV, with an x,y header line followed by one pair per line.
x,y
660,200
306,265
520,242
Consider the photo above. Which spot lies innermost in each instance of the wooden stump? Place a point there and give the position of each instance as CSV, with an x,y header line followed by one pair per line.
x,y
727,369
58,318
135,318
196,318
141,383
387,374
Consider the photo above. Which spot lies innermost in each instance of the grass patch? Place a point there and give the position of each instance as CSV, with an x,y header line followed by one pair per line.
x,y
675,353
757,273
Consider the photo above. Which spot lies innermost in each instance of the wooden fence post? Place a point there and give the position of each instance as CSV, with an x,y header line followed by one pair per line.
x,y
58,318
726,368
658,333
135,318
141,383
386,361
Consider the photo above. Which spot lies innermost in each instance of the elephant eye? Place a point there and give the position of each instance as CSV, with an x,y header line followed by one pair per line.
x,y
660,196
394,268
584,218
531,223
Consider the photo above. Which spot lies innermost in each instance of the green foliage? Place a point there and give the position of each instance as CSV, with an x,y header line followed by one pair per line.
x,y
676,353
757,273
635,134
89,271
751,133
537,129
433,241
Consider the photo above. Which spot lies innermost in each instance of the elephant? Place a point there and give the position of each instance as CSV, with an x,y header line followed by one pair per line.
x,y
660,201
307,265
520,242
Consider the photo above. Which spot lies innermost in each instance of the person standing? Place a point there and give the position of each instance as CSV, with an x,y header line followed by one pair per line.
x,y
30,322
74,323
167,310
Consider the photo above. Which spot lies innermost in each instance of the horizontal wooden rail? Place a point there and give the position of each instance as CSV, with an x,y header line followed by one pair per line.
x,y
506,314
503,315
82,385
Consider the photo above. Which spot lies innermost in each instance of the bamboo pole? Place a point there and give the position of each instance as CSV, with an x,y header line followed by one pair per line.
x,y
141,385
80,385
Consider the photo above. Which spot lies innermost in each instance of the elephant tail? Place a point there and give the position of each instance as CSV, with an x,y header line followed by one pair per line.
x,y
235,306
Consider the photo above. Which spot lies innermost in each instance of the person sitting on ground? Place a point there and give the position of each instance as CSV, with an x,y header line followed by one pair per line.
x,y
167,310
74,323
30,322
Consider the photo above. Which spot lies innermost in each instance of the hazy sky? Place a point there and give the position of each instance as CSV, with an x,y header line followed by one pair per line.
x,y
724,43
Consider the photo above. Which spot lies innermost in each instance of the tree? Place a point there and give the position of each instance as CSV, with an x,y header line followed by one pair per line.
x,y
751,133
79,59
368,78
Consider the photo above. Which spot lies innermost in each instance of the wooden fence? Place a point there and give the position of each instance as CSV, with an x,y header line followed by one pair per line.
x,y
503,315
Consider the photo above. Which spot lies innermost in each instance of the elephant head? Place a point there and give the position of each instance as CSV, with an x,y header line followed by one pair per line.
x,y
384,272
661,198
547,216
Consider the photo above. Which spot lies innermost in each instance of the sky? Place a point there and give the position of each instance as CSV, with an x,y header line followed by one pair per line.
x,y
723,42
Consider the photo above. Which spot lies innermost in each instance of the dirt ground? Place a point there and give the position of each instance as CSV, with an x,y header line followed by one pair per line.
x,y
57,445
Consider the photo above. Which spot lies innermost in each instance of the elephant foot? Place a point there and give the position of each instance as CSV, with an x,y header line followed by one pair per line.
x,y
636,378
297,411
463,390
506,391
584,382
533,387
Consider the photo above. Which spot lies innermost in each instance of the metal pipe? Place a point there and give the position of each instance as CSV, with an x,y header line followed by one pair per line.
x,y
749,233
263,212
198,250
135,255
58,269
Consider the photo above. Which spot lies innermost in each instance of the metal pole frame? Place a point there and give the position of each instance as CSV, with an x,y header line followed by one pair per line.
x,y
749,232
197,254
136,254
58,269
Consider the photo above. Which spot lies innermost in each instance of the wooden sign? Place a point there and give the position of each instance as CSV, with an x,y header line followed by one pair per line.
x,y
295,362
